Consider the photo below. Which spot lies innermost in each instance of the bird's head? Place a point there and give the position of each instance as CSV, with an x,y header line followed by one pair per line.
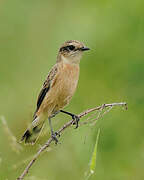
x,y
71,51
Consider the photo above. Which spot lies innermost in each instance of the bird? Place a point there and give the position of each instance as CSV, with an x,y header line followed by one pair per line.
x,y
57,90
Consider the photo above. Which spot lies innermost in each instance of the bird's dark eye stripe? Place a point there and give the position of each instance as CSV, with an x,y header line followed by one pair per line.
x,y
67,48
71,47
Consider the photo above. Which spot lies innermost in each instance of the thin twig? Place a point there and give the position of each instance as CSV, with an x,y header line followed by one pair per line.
x,y
47,144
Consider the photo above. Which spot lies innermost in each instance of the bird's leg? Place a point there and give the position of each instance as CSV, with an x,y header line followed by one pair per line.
x,y
53,115
74,117
53,134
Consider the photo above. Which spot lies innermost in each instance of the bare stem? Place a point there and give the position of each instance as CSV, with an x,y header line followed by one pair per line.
x,y
47,144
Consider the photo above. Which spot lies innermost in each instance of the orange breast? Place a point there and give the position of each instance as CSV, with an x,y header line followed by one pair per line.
x,y
62,89
67,82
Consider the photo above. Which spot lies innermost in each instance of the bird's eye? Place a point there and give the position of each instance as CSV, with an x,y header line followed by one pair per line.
x,y
67,48
71,47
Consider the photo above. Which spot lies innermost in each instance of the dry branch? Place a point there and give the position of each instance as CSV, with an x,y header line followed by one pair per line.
x,y
47,144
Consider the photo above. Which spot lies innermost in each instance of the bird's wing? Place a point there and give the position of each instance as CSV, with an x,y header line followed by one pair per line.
x,y
46,86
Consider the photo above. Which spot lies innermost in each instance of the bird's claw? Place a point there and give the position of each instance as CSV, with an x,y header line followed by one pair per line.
x,y
54,137
57,134
76,119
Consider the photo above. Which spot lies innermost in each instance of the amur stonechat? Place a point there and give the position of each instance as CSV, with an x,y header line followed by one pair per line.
x,y
57,90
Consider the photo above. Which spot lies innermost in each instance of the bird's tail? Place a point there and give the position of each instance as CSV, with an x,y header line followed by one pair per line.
x,y
33,132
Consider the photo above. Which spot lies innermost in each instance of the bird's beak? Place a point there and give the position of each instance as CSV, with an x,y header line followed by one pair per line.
x,y
85,49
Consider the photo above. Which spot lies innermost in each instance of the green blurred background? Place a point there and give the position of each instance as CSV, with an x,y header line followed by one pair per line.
x,y
31,32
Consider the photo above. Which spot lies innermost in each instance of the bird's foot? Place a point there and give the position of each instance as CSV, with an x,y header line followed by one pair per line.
x,y
76,120
54,137
57,134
